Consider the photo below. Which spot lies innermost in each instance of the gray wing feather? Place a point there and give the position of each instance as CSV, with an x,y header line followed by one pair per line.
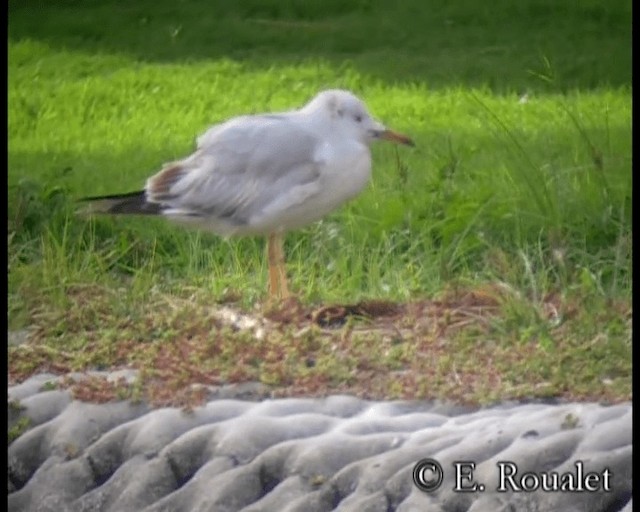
x,y
245,167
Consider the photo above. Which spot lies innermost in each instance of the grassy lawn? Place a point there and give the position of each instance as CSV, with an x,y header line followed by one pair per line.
x,y
497,253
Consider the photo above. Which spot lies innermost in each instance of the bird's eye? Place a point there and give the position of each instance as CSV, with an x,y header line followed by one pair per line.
x,y
358,118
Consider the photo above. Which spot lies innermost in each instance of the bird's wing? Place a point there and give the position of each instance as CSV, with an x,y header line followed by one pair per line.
x,y
242,168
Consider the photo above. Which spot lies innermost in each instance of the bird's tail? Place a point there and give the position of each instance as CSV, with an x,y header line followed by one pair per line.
x,y
133,203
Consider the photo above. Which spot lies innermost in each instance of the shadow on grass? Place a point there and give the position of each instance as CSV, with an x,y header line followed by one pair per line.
x,y
504,45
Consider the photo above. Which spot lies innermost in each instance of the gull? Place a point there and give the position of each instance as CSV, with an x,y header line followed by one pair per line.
x,y
265,174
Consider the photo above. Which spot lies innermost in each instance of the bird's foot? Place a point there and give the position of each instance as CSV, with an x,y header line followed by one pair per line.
x,y
284,310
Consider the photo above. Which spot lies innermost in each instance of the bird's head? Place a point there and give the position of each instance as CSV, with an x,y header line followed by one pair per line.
x,y
350,117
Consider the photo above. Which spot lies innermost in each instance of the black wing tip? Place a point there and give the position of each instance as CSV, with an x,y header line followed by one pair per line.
x,y
114,197
132,203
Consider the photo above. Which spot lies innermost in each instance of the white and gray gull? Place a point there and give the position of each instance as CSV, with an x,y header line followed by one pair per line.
x,y
265,174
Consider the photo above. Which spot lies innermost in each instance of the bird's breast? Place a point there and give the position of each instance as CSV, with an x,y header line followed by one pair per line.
x,y
345,171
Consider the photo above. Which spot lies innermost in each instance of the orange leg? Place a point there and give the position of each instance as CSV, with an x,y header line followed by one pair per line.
x,y
277,273
282,271
273,272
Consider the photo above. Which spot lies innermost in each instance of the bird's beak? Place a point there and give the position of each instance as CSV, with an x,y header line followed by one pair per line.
x,y
394,137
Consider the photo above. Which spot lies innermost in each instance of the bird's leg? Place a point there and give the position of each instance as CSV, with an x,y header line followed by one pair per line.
x,y
282,271
277,275
273,271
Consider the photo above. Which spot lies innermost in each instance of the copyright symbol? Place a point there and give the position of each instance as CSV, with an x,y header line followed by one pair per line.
x,y
427,475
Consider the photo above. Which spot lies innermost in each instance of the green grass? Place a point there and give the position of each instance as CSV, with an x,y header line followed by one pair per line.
x,y
521,175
